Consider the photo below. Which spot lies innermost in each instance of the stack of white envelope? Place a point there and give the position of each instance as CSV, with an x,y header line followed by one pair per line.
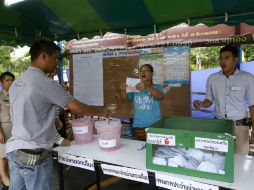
x,y
160,161
196,159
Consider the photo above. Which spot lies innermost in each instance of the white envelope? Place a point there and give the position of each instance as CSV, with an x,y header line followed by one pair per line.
x,y
131,83
208,156
207,167
159,161
195,154
179,160
219,161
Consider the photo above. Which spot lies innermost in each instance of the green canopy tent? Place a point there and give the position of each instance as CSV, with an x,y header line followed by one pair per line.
x,y
73,19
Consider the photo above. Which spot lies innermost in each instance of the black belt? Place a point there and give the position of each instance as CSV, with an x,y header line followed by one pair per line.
x,y
243,121
38,151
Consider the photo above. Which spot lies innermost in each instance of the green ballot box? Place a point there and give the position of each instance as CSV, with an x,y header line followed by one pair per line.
x,y
189,146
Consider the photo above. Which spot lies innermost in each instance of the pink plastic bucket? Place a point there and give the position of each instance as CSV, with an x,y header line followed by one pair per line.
x,y
82,130
109,133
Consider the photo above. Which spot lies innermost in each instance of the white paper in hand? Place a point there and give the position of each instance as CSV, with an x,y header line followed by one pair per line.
x,y
131,83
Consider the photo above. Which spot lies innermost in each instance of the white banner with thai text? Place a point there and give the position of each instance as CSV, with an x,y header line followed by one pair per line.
x,y
175,183
76,161
127,173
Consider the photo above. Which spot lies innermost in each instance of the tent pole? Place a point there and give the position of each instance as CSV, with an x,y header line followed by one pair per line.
x,y
239,47
60,64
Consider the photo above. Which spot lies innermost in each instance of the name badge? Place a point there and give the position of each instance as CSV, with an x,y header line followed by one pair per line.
x,y
236,88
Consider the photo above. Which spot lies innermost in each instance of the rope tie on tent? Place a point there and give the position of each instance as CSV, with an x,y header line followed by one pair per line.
x,y
226,17
154,29
154,34
16,32
126,42
39,34
100,33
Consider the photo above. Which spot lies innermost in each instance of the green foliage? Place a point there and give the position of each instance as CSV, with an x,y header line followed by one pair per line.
x,y
21,64
18,66
65,63
5,58
248,50
7,63
209,56
65,60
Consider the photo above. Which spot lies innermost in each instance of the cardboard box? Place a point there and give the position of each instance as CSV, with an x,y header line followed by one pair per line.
x,y
195,147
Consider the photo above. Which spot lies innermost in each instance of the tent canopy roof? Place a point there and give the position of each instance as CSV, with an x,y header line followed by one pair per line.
x,y
72,19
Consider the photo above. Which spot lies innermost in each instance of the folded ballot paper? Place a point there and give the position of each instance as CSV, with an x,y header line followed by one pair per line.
x,y
131,83
196,159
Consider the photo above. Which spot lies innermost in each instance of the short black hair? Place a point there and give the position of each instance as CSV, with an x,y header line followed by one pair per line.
x,y
7,73
40,46
230,48
147,65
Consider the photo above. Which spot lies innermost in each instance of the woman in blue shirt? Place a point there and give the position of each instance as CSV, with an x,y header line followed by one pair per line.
x,y
146,101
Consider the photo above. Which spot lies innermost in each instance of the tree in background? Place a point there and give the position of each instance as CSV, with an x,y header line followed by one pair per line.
x,y
209,56
248,50
5,58
21,64
17,65
9,63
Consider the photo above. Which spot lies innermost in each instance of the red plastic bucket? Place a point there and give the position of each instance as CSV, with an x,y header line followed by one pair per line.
x,y
82,130
109,132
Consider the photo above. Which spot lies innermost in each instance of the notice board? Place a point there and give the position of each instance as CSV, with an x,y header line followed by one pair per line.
x,y
171,70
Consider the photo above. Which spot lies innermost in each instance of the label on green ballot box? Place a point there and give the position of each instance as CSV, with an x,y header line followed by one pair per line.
x,y
161,139
211,144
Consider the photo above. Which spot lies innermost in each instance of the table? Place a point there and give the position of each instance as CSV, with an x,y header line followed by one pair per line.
x,y
129,156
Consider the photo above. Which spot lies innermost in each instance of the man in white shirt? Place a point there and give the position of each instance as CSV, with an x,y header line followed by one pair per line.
x,y
231,90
